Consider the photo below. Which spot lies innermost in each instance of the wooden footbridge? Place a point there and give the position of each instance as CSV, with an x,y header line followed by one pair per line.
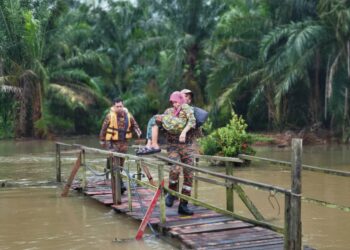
x,y
210,227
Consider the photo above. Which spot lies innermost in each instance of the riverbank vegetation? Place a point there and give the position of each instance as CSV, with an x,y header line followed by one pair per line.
x,y
281,65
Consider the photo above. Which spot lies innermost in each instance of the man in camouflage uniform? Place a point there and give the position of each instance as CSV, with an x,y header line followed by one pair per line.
x,y
182,149
117,130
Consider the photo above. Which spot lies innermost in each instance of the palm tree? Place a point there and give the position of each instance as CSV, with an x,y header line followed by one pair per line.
x,y
47,54
298,52
187,25
241,70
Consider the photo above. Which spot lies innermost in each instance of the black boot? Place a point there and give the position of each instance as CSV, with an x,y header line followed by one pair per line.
x,y
122,187
169,200
183,209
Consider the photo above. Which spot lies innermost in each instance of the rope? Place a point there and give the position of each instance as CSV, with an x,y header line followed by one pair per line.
x,y
272,194
132,182
95,172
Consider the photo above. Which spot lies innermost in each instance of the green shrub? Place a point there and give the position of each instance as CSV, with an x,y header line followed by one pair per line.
x,y
230,140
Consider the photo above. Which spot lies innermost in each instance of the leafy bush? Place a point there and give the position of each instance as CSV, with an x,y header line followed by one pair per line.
x,y
230,140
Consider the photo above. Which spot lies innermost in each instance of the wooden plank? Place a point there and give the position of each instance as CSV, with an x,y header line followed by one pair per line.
x,y
247,245
197,221
72,176
214,227
227,237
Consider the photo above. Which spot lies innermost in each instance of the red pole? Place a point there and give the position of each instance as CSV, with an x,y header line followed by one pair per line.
x,y
148,214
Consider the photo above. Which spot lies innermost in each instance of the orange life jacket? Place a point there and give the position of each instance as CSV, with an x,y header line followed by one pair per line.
x,y
113,131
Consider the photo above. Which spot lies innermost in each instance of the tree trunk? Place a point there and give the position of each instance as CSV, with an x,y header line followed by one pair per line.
x,y
30,105
314,100
190,76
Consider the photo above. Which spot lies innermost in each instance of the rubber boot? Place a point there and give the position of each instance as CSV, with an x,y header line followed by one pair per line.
x,y
122,187
183,209
169,200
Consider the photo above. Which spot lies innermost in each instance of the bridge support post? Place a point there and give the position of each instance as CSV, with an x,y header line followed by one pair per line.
x,y
195,180
84,184
162,196
115,180
58,163
229,187
294,216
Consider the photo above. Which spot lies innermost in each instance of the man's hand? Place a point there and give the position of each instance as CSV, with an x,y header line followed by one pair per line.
x,y
182,137
159,118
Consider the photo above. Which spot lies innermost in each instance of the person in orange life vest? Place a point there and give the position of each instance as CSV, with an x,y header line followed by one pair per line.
x,y
117,129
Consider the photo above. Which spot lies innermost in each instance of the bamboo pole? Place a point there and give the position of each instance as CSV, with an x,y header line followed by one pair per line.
x,y
219,158
305,167
295,222
223,176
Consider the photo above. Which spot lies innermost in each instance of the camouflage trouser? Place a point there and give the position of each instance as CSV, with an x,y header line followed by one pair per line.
x,y
183,153
119,147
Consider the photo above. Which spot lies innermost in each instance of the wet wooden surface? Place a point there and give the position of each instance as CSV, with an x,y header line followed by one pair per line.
x,y
205,229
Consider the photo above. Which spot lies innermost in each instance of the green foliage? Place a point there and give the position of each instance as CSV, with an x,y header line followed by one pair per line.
x,y
230,140
7,114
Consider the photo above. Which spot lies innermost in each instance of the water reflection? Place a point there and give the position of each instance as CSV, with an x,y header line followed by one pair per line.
x,y
40,219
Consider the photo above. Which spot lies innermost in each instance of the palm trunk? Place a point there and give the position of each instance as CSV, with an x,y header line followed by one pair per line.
x,y
30,105
314,100
190,78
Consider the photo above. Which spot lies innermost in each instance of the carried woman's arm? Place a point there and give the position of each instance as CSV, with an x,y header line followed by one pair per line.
x,y
191,121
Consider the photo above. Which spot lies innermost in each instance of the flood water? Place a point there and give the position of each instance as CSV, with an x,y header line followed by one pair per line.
x,y
38,218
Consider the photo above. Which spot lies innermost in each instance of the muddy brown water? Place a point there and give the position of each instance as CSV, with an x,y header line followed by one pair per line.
x,y
38,218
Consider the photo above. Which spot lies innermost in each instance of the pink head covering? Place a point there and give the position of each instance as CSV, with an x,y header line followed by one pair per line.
x,y
177,96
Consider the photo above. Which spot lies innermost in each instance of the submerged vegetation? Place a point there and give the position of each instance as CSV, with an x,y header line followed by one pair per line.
x,y
278,64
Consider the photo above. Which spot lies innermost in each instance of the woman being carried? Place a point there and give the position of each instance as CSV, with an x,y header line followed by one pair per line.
x,y
176,120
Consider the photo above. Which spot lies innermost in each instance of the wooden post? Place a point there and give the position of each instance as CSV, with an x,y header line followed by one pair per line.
x,y
162,196
84,184
108,167
248,203
229,188
115,182
129,188
287,221
195,182
295,221
72,175
118,179
58,163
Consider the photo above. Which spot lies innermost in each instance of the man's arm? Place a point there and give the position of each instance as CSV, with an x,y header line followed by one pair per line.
x,y
135,127
103,131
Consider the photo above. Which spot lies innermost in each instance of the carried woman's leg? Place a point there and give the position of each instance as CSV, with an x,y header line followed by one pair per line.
x,y
152,145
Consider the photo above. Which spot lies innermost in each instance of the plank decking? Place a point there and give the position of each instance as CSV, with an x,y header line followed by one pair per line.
x,y
206,229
